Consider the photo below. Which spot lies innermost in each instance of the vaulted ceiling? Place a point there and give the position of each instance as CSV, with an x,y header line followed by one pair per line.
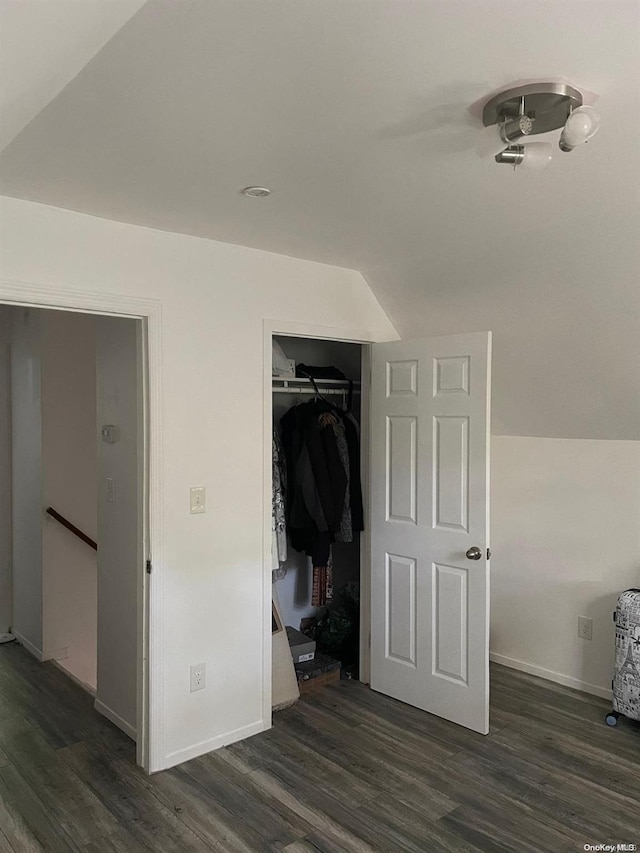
x,y
43,45
356,114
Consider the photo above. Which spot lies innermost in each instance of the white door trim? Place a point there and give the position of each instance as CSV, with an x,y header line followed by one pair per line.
x,y
365,539
150,746
299,330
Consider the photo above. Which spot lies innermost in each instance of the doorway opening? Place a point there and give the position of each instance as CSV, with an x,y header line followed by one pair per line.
x,y
76,387
320,594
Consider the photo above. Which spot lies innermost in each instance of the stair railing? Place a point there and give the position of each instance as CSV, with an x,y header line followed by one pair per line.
x,y
66,523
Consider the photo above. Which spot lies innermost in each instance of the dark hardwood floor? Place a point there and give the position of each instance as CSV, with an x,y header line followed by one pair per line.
x,y
347,770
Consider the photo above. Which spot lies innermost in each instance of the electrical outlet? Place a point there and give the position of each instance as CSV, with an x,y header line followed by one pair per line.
x,y
585,628
198,676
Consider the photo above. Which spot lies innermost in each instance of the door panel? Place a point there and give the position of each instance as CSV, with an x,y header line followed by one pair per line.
x,y
429,505
451,472
450,623
401,469
401,609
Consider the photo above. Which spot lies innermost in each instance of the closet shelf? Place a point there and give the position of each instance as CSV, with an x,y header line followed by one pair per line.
x,y
301,385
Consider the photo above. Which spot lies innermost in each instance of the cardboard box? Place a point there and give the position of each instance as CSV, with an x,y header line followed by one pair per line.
x,y
317,673
302,648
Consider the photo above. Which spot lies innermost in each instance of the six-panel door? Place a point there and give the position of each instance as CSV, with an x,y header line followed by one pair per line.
x,y
429,505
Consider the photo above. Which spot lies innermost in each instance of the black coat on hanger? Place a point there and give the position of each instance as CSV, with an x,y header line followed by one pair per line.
x,y
316,480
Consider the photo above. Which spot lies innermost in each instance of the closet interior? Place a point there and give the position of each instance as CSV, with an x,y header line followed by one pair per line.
x,y
317,512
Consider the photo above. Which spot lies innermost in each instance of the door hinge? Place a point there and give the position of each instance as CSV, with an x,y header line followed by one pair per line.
x,y
149,566
488,553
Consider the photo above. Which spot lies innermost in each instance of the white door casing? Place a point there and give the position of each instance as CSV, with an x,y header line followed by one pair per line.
x,y
430,416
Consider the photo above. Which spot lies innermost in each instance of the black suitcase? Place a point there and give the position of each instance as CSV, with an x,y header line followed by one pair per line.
x,y
626,683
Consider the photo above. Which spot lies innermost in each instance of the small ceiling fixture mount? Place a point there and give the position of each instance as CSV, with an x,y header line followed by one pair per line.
x,y
515,114
256,192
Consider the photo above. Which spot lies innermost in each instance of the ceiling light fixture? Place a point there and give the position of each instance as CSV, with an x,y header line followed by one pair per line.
x,y
256,192
512,116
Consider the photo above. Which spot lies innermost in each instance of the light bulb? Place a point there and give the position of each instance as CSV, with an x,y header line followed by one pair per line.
x,y
581,125
536,156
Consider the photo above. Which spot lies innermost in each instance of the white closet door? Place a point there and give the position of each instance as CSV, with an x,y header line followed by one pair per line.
x,y
430,414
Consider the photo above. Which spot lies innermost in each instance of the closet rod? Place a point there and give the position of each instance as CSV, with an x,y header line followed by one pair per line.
x,y
304,380
303,385
324,391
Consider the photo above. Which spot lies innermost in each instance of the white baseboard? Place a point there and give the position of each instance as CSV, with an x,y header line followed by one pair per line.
x,y
35,651
87,687
198,749
56,654
550,675
114,718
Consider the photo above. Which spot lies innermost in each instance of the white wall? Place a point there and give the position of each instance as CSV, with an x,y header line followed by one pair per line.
x,y
119,536
69,485
565,543
5,470
26,467
214,298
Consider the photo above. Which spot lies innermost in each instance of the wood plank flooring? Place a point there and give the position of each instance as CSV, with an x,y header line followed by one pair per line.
x,y
346,770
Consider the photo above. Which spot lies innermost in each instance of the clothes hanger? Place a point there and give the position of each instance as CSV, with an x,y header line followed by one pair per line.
x,y
316,391
318,395
347,398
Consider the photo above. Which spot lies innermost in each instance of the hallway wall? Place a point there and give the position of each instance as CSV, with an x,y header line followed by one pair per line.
x,y
120,553
5,469
26,466
53,461
69,465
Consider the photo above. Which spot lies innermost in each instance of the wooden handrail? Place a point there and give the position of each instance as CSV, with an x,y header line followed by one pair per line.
x,y
65,523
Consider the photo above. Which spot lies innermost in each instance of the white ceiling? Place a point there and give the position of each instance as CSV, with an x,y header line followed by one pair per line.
x,y
43,45
355,113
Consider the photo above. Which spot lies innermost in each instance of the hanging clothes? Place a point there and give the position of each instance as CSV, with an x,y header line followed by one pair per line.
x,y
352,436
322,590
317,480
324,498
278,514
345,534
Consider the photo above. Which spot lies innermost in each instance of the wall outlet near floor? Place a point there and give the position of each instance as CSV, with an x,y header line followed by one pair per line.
x,y
198,676
585,628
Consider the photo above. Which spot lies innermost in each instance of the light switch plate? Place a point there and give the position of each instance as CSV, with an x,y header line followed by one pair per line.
x,y
198,499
